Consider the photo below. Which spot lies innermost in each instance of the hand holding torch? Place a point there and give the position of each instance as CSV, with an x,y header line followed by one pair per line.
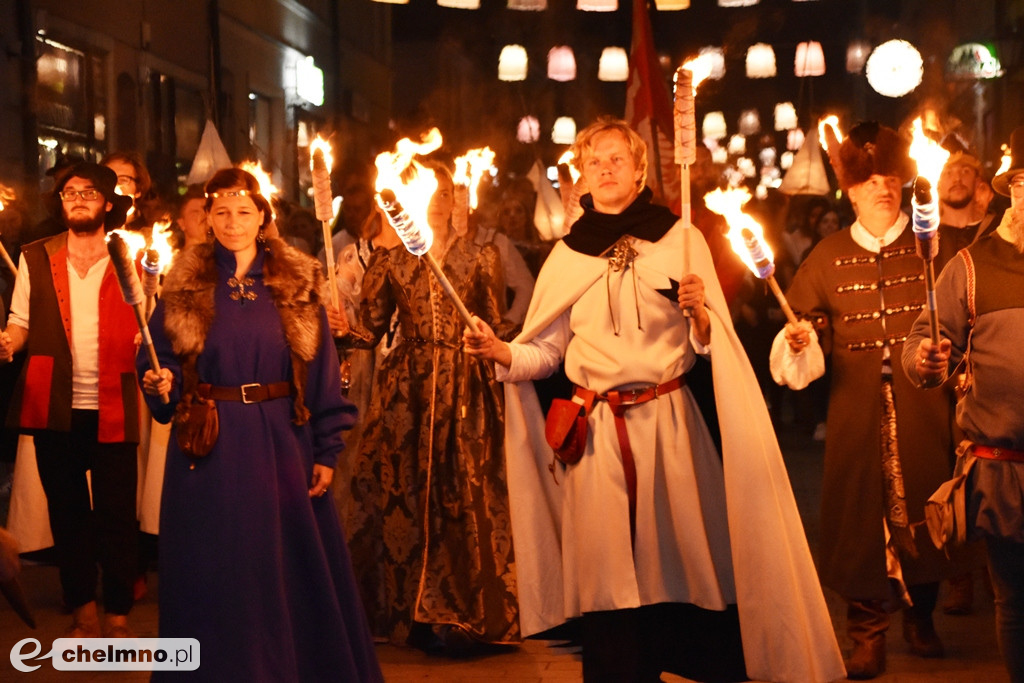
x,y
131,290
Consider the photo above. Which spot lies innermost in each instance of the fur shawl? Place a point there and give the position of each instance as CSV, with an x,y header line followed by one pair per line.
x,y
294,280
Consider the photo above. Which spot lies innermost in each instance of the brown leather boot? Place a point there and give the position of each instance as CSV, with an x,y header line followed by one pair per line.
x,y
919,631
960,599
86,622
866,624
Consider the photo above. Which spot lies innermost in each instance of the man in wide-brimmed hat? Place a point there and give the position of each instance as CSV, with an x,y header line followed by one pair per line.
x,y
981,316
964,196
889,444
78,397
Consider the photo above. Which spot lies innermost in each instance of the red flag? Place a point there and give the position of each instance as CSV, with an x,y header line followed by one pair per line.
x,y
649,110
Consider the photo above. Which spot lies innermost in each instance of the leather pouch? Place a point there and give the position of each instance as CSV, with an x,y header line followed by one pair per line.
x,y
196,425
565,430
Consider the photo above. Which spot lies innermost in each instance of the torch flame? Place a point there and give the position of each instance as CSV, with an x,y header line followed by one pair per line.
x,y
929,154
325,148
255,169
6,196
833,121
566,159
136,241
131,209
470,168
700,67
412,183
161,243
728,203
1007,159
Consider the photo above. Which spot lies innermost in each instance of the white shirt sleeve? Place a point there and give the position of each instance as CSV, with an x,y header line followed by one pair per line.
x,y
795,370
538,357
517,277
20,297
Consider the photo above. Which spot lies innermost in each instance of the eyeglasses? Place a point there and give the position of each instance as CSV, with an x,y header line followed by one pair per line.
x,y
72,195
125,179
1017,186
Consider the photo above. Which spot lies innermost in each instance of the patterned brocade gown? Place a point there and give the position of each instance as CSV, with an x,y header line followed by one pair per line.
x,y
432,542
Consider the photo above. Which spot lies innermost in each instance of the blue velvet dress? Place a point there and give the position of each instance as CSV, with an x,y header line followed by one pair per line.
x,y
249,564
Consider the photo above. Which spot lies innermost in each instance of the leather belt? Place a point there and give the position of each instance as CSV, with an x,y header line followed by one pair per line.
x,y
620,402
997,453
247,393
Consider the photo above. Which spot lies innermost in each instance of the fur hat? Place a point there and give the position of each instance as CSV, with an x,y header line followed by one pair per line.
x,y
869,149
104,180
1001,183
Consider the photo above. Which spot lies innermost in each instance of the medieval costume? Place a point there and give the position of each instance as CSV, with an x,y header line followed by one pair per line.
x,y
717,536
250,564
437,547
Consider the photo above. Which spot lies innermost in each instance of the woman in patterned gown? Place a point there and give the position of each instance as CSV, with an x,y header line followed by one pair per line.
x,y
434,559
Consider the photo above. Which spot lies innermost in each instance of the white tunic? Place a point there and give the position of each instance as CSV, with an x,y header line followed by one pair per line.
x,y
709,532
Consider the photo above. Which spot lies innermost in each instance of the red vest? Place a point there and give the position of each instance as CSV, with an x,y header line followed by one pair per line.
x,y
42,398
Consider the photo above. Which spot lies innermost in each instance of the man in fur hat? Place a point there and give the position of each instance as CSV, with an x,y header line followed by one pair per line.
x,y
980,306
78,397
889,444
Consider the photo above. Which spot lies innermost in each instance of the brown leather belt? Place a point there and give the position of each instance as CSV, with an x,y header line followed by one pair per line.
x,y
247,393
620,402
997,453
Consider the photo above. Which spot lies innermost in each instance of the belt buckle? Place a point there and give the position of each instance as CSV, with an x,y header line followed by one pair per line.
x,y
245,387
631,396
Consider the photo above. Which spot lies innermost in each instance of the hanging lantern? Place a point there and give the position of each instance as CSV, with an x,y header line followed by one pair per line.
x,y
715,57
614,65
810,60
528,5
894,68
749,122
564,131
528,130
561,64
737,145
737,3
719,155
856,55
597,5
972,62
760,61
746,166
459,4
767,156
512,63
795,139
714,126
394,2
669,5
785,116
786,160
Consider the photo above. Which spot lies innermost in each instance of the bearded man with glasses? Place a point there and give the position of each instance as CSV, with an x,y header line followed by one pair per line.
x,y
78,397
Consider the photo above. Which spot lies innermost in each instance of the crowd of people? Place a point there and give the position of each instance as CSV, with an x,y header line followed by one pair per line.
x,y
511,437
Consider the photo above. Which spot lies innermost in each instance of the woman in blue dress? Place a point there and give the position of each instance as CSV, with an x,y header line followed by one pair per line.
x,y
253,563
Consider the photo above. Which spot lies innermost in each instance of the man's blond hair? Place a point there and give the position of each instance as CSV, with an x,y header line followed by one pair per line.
x,y
584,144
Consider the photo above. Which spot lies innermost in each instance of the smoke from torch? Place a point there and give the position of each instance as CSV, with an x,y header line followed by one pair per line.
x,y
131,291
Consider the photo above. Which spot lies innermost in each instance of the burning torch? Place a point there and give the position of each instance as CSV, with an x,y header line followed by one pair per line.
x,y
399,171
324,208
930,158
7,195
687,78
746,238
131,290
469,169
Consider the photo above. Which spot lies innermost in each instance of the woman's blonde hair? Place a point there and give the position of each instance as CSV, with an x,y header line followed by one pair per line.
x,y
584,144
